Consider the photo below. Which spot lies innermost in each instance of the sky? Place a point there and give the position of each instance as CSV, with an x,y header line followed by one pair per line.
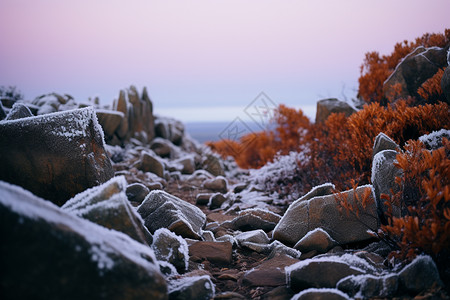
x,y
204,60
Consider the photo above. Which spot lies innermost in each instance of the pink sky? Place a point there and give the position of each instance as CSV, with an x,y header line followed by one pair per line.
x,y
203,54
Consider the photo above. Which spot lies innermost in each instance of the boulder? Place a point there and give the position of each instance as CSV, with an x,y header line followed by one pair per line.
x,y
109,120
108,206
251,219
55,156
194,287
317,239
270,272
136,192
320,294
216,252
162,210
383,142
323,212
420,275
384,173
171,248
413,71
19,111
326,107
369,286
218,184
150,163
47,253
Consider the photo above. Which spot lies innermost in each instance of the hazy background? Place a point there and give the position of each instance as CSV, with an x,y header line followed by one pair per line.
x,y
203,60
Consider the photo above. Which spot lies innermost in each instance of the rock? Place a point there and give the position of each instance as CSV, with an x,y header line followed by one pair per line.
x,y
208,236
413,71
216,201
161,147
252,219
18,111
136,192
171,248
202,198
47,253
229,296
317,239
420,275
318,273
383,142
162,210
150,163
195,287
121,105
269,273
445,86
213,165
433,140
218,184
384,173
187,164
303,216
169,129
109,120
320,294
369,286
326,107
55,156
2,111
255,236
278,293
108,206
215,252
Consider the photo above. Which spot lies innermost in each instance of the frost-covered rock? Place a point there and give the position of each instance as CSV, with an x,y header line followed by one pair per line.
x,y
187,164
150,163
171,248
47,253
19,111
162,210
213,164
55,156
108,205
369,286
323,212
169,129
216,200
252,219
326,107
270,272
420,275
202,198
216,252
433,140
136,192
218,184
384,173
317,239
383,142
255,236
320,294
324,272
195,287
161,147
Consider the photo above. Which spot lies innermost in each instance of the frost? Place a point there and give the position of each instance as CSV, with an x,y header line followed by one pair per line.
x,y
323,290
377,162
106,245
182,248
434,139
185,282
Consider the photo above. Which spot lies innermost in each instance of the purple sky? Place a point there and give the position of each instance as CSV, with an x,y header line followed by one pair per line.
x,y
203,60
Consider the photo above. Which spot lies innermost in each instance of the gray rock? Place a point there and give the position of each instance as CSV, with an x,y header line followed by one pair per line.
x,y
47,253
326,107
255,236
19,111
384,173
433,140
108,205
162,210
420,275
303,216
251,219
150,163
218,184
317,239
171,248
383,142
369,286
136,192
216,200
195,287
67,157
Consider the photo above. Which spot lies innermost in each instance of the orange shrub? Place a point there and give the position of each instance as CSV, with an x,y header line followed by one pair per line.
x,y
431,89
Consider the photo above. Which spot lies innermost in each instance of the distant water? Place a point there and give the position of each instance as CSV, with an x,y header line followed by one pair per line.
x,y
214,131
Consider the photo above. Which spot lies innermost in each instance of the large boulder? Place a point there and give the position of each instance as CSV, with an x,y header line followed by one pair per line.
x,y
47,253
162,210
323,212
413,71
108,205
55,156
326,107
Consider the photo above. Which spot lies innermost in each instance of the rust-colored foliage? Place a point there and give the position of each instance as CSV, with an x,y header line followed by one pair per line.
x,y
431,89
425,192
376,69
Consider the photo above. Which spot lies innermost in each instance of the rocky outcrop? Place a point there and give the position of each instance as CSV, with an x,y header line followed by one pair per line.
x,y
162,210
413,71
305,215
55,156
326,107
108,205
47,253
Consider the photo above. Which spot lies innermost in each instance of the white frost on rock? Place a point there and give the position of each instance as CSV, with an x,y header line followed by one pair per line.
x,y
183,246
306,292
434,139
